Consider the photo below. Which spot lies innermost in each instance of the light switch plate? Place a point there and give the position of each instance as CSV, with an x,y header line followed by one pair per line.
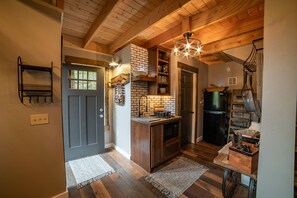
x,y
36,119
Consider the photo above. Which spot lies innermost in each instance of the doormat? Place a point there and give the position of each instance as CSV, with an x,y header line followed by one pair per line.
x,y
83,171
177,177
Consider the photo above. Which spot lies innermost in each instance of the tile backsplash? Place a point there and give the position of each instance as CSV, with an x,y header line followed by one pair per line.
x,y
139,62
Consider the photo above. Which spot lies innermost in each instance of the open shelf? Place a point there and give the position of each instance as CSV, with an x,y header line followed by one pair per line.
x,y
144,78
159,65
34,90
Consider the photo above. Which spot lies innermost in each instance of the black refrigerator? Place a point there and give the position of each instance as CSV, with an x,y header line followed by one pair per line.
x,y
215,120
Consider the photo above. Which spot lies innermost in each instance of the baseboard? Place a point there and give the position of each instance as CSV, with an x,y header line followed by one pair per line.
x,y
198,139
121,151
62,195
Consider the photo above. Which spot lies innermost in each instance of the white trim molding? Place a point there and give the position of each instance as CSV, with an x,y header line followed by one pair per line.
x,y
124,153
121,151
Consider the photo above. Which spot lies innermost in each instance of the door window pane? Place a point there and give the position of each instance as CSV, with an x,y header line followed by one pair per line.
x,y
73,84
83,85
83,75
82,80
92,75
92,85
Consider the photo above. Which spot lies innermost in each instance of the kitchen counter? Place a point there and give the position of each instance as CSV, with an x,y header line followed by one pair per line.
x,y
153,120
154,140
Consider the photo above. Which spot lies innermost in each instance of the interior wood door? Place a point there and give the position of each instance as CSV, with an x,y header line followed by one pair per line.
x,y
186,106
83,111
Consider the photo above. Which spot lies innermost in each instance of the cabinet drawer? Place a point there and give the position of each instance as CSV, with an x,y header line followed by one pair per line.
x,y
171,149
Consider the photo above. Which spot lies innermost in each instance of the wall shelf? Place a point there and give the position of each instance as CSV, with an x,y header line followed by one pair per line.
x,y
144,78
37,90
159,65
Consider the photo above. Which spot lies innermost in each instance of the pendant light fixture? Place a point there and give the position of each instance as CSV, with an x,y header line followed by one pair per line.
x,y
187,47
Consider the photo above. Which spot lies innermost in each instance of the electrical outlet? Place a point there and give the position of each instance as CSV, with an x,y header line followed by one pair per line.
x,y
36,119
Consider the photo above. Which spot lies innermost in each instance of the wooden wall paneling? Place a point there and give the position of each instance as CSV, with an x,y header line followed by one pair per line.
x,y
80,5
157,14
106,10
210,3
200,5
72,32
165,36
221,11
93,3
73,10
236,41
218,31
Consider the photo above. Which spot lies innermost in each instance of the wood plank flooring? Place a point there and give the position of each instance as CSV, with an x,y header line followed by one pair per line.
x,y
128,179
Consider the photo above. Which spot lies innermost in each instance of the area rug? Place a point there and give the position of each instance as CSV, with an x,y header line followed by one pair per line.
x,y
177,177
83,171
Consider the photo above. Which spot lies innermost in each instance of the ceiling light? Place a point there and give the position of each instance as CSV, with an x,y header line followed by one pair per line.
x,y
187,46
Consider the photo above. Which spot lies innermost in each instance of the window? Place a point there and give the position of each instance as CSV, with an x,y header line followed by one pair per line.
x,y
82,80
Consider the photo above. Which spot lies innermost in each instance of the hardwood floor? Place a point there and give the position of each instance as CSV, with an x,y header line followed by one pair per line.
x,y
128,179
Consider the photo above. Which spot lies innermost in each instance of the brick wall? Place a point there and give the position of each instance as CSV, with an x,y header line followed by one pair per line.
x,y
139,62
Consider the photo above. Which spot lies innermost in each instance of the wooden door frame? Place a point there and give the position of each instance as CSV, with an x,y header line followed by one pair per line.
x,y
195,72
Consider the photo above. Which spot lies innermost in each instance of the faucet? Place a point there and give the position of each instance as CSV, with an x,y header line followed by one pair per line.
x,y
139,104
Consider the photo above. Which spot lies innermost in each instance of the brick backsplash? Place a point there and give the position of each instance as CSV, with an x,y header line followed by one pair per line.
x,y
139,62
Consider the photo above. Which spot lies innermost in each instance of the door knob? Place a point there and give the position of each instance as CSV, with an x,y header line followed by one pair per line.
x,y
101,115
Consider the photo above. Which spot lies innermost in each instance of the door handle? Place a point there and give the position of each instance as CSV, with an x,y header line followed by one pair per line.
x,y
101,116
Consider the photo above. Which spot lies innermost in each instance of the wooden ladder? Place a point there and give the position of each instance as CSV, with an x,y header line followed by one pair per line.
x,y
239,118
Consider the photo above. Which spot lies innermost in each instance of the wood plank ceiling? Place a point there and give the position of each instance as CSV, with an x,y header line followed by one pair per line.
x,y
108,25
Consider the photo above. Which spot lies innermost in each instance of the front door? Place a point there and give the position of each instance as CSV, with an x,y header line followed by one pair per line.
x,y
186,106
83,111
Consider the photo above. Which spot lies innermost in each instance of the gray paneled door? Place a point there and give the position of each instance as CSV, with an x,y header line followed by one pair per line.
x,y
83,111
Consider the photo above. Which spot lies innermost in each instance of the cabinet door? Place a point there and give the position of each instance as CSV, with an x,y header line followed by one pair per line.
x,y
156,145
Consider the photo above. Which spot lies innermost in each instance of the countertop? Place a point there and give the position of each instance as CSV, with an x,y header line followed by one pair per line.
x,y
153,120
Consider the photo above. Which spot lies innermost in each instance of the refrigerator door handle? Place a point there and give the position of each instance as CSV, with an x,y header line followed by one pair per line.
x,y
215,112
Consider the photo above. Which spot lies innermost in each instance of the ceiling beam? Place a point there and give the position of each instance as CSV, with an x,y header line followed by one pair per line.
x,y
224,30
165,8
77,43
222,56
73,59
222,11
236,41
214,62
106,11
207,58
186,24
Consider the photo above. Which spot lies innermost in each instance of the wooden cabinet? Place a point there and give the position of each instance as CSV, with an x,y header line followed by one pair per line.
x,y
159,65
148,148
156,145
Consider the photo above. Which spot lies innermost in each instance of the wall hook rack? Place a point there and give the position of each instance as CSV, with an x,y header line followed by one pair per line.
x,y
35,90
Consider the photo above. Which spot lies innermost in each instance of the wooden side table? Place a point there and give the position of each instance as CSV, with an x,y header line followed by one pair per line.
x,y
231,175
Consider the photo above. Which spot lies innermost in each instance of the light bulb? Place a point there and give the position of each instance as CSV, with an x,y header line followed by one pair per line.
x,y
188,45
